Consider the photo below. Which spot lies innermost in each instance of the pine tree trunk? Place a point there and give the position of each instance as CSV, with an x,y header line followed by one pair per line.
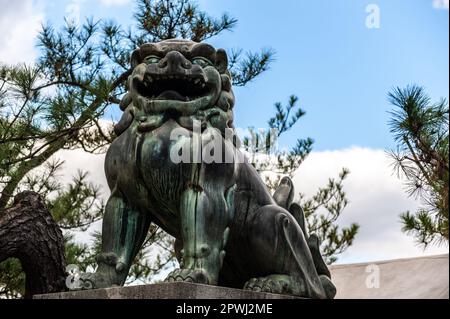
x,y
29,233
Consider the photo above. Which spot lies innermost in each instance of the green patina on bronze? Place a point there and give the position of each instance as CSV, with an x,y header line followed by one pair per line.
x,y
229,229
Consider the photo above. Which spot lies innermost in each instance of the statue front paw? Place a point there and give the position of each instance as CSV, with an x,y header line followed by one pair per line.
x,y
86,281
198,276
277,284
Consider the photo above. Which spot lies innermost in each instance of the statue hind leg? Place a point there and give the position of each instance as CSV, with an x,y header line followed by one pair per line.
x,y
124,231
280,250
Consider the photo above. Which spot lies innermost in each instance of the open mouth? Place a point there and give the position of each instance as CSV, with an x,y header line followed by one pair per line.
x,y
172,87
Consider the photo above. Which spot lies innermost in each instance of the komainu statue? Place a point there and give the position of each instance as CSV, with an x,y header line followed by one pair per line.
x,y
229,230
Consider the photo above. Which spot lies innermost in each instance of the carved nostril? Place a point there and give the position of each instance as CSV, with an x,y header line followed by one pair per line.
x,y
174,60
187,64
162,63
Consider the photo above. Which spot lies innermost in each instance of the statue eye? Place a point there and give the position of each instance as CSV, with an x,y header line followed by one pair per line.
x,y
201,62
151,59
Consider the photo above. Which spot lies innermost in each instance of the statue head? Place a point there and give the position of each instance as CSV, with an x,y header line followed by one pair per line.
x,y
180,78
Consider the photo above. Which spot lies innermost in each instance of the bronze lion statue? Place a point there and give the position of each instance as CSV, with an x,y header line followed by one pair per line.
x,y
229,229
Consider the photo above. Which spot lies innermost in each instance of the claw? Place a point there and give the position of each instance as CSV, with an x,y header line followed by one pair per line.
x,y
188,275
278,284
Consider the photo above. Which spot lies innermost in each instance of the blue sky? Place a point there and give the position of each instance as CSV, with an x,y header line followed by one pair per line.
x,y
325,54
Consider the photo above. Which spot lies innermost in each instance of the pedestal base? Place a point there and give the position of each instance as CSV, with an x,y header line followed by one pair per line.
x,y
176,290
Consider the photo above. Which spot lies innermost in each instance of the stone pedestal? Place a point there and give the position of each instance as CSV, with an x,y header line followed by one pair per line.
x,y
176,290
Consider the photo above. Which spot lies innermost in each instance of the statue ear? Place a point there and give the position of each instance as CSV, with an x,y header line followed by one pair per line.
x,y
221,60
135,58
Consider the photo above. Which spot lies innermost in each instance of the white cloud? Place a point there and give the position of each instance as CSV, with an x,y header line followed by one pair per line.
x,y
441,4
20,22
376,198
78,160
109,3
73,8
73,11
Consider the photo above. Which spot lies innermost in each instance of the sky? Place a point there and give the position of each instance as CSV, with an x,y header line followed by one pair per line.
x,y
340,69
325,54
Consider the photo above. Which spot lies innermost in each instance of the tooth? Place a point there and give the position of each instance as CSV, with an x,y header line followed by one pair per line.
x,y
203,85
150,79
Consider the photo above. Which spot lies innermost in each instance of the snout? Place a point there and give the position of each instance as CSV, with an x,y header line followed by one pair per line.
x,y
175,65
